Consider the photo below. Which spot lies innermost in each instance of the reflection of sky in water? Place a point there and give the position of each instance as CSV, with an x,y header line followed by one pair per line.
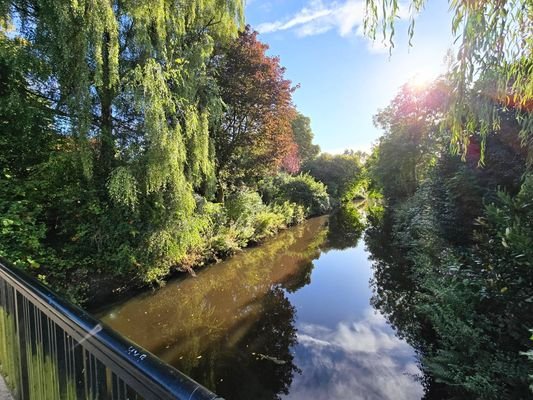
x,y
339,288
345,349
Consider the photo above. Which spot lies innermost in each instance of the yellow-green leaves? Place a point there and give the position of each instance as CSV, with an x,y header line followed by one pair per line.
x,y
201,164
130,95
122,187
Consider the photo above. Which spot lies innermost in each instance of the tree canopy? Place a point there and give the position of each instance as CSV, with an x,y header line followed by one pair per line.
x,y
450,276
341,173
254,134
117,121
128,99
495,42
303,136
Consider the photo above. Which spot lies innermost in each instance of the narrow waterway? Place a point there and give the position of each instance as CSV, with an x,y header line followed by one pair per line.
x,y
290,319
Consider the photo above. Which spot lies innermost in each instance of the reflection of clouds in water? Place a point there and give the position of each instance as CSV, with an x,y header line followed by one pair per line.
x,y
362,360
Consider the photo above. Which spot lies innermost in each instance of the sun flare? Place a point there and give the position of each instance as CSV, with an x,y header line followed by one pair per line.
x,y
421,79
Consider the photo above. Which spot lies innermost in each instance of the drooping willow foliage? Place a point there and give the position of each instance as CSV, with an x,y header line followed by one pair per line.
x,y
129,89
495,41
130,72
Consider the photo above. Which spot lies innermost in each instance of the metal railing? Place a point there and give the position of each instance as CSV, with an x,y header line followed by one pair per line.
x,y
51,350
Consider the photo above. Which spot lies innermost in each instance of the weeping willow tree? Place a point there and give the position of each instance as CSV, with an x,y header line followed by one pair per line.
x,y
492,67
128,85
491,71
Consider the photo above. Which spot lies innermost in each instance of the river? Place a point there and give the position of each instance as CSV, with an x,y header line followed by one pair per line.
x,y
290,319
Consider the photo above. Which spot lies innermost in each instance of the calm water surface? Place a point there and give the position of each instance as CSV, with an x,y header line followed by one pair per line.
x,y
290,319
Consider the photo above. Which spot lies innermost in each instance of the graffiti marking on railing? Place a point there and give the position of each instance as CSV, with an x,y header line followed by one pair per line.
x,y
135,353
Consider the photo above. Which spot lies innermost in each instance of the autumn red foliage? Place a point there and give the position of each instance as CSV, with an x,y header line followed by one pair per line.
x,y
254,137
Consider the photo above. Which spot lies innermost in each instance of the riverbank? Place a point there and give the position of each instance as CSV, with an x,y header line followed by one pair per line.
x,y
346,216
250,223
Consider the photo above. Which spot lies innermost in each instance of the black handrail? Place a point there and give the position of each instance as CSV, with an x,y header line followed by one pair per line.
x,y
50,348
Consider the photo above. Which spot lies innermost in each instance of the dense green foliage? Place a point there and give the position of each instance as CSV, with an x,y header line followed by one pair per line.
x,y
302,189
243,219
117,123
127,99
456,280
340,173
303,136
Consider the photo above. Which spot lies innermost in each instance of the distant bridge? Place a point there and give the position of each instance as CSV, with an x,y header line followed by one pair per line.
x,y
51,349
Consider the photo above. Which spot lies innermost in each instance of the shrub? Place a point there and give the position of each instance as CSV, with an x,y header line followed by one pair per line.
x,y
306,191
292,213
340,173
267,223
241,206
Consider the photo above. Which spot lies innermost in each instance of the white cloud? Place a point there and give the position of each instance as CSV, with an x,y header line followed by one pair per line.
x,y
361,360
369,335
317,17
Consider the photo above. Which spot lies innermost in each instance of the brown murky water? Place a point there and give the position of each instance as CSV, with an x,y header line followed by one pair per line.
x,y
288,319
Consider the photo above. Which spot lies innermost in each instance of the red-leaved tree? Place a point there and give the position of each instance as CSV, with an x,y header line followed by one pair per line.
x,y
254,136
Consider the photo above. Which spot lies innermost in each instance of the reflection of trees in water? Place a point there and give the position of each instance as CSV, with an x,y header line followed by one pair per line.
x,y
396,295
209,326
302,278
345,227
235,371
261,366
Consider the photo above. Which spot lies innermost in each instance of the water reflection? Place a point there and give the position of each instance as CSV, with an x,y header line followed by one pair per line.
x,y
288,319
359,360
345,227
395,295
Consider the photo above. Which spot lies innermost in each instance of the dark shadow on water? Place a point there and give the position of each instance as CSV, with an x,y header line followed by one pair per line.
x,y
395,296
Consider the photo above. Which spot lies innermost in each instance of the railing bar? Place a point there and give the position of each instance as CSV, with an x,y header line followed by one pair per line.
x,y
88,343
91,374
141,386
96,390
19,314
93,386
38,340
85,374
51,349
109,386
118,388
137,372
125,390
24,350
71,364
46,339
66,363
23,346
57,361
77,353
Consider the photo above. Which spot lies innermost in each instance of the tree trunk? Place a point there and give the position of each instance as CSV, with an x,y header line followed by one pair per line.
x,y
220,193
107,142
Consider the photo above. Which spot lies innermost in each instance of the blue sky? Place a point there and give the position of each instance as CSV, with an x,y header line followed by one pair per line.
x,y
344,77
